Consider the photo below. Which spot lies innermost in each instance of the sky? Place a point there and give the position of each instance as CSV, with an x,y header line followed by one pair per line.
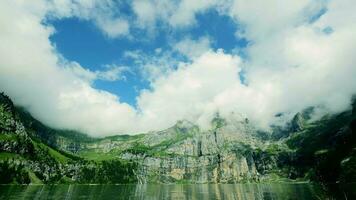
x,y
107,67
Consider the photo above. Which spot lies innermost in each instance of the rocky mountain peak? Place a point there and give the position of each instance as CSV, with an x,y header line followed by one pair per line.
x,y
297,123
184,124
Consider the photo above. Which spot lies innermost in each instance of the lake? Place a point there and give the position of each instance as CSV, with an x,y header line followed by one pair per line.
x,y
283,191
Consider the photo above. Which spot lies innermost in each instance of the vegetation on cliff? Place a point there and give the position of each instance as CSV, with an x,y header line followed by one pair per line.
x,y
29,154
323,151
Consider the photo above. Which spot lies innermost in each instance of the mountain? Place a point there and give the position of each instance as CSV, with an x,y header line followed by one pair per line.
x,y
231,151
28,154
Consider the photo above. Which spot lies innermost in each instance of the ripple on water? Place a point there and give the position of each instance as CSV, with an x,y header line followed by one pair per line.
x,y
183,192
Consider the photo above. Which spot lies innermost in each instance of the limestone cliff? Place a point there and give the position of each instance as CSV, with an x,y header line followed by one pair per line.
x,y
231,151
183,153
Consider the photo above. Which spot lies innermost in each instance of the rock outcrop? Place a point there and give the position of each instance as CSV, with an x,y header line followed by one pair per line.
x,y
183,153
231,151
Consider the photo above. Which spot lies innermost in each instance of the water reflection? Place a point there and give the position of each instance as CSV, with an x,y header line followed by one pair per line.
x,y
183,192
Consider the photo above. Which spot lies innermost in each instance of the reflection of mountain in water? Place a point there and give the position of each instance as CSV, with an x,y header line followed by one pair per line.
x,y
183,192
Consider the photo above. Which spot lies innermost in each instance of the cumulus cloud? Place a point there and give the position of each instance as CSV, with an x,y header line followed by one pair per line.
x,y
296,61
177,14
297,57
193,48
114,27
113,73
109,73
152,67
186,11
102,12
189,91
56,92
146,12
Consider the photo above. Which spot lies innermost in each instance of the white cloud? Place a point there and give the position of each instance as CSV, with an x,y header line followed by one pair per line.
x,y
82,73
291,64
102,12
113,73
152,67
114,27
186,10
109,73
188,92
36,77
294,61
262,18
145,11
177,14
193,48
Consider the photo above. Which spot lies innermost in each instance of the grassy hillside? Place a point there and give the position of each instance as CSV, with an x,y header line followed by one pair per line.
x,y
29,153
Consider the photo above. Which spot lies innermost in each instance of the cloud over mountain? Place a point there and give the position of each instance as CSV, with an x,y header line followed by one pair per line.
x,y
300,54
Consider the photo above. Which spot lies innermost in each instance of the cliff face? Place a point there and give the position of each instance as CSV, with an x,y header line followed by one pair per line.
x,y
184,153
205,169
201,158
228,153
232,151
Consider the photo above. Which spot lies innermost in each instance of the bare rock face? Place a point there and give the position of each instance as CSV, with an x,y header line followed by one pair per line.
x,y
186,154
229,152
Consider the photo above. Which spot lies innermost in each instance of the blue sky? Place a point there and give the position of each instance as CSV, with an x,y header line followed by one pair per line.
x,y
107,67
81,41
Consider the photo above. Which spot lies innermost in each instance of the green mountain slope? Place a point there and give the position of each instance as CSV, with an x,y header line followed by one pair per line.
x,y
232,151
326,149
29,154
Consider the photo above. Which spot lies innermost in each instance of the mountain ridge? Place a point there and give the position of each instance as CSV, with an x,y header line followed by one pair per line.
x,y
231,152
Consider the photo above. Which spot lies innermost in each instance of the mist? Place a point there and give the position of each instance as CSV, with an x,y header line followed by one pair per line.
x,y
294,60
